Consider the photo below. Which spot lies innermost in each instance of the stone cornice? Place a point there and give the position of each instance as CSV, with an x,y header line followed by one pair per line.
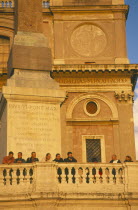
x,y
90,8
95,68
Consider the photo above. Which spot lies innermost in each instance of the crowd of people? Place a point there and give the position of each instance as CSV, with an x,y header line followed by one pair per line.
x,y
10,158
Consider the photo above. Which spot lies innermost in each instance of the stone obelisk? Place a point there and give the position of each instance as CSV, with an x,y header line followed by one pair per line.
x,y
30,104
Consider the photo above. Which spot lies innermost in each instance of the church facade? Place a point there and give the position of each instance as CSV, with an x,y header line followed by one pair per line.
x,y
86,106
88,43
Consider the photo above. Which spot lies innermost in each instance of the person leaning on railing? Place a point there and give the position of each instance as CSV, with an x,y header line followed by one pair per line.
x,y
58,158
47,158
114,159
33,158
70,158
19,159
8,159
128,159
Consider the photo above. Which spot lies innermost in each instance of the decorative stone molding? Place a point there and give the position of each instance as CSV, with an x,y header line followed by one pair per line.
x,y
88,40
124,96
76,100
96,111
95,68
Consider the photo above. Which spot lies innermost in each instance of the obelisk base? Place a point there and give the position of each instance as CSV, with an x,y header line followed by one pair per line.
x,y
31,121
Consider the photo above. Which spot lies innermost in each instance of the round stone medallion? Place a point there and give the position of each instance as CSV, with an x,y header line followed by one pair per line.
x,y
88,40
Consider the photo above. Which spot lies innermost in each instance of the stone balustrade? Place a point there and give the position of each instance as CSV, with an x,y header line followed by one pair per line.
x,y
7,4
46,4
68,178
10,4
52,183
90,174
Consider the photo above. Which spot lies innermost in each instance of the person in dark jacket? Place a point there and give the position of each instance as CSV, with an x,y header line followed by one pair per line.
x,y
114,159
128,159
19,159
33,158
70,158
58,158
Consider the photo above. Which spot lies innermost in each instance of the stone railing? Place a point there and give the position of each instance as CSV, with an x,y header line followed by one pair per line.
x,y
47,181
7,4
10,4
90,174
46,4
19,177
67,178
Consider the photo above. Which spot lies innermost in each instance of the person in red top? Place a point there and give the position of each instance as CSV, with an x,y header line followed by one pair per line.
x,y
8,159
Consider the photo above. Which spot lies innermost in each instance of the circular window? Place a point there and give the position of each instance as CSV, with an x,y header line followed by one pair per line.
x,y
91,108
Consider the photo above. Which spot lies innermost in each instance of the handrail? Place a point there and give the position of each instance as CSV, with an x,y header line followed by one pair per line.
x,y
63,178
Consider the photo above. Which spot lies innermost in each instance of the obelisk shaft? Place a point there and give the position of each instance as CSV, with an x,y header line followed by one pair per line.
x,y
30,50
28,16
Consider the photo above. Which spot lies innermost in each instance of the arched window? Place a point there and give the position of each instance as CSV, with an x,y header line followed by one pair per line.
x,y
4,53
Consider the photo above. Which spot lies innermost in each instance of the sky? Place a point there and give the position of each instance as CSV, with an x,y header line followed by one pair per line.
x,y
132,45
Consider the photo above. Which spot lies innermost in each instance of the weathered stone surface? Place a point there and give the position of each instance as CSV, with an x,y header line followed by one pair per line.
x,y
28,57
28,16
32,121
85,2
43,188
30,48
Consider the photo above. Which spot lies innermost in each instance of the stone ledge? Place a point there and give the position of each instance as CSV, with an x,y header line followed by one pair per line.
x,y
95,68
33,94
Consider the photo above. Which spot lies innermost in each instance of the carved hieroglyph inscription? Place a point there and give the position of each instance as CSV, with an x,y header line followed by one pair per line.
x,y
88,40
34,127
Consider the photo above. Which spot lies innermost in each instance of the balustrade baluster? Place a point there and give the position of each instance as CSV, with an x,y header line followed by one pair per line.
x,y
118,175
90,175
97,175
112,176
123,175
77,175
3,4
69,175
100,172
8,177
14,176
27,177
6,4
18,173
63,175
104,175
1,177
31,172
84,175
10,4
